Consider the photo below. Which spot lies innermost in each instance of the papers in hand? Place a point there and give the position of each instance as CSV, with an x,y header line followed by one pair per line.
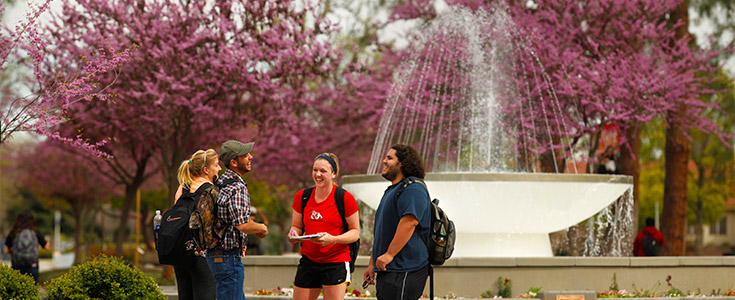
x,y
306,237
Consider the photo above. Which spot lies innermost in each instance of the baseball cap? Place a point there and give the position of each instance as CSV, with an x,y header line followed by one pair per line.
x,y
232,149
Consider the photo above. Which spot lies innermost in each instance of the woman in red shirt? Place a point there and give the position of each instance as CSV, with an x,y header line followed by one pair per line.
x,y
325,259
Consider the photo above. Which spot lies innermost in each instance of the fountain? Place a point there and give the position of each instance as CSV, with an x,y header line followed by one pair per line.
x,y
484,135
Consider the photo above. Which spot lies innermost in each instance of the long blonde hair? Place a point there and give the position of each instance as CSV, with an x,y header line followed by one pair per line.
x,y
194,166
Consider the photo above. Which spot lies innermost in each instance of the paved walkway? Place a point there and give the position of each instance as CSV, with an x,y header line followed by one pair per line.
x,y
169,291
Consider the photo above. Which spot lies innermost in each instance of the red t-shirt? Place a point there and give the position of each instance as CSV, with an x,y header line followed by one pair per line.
x,y
324,217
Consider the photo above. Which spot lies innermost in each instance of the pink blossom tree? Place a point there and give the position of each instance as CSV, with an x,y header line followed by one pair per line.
x,y
52,172
203,73
597,63
41,101
343,119
129,164
608,62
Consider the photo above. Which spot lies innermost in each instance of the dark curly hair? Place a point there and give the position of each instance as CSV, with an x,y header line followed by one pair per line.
x,y
24,220
411,162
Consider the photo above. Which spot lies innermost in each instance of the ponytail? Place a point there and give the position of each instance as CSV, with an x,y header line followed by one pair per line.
x,y
184,174
194,166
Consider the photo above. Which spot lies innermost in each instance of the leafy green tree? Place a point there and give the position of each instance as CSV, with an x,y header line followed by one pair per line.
x,y
52,172
678,147
274,201
652,170
711,180
712,165
720,15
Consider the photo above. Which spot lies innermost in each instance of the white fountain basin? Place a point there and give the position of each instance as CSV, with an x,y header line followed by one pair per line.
x,y
507,214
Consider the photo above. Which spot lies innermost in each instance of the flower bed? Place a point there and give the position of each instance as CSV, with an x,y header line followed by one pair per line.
x,y
504,286
288,292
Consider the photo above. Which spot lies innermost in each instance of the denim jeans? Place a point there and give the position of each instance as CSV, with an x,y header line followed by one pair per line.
x,y
228,272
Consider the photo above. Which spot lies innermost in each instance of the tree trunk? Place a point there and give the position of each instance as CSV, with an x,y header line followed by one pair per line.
x,y
78,231
90,233
699,229
549,164
170,172
122,227
673,223
131,189
173,184
146,225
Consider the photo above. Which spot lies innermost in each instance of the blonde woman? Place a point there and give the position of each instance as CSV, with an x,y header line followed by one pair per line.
x,y
194,280
325,259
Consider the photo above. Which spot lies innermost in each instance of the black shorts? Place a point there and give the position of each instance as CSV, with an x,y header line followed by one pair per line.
x,y
401,285
312,275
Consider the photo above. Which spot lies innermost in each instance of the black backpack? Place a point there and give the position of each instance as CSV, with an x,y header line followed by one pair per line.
x,y
441,233
651,247
175,243
190,224
339,199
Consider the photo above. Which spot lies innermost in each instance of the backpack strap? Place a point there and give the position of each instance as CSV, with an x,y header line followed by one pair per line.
x,y
304,199
403,185
188,198
226,182
409,180
339,199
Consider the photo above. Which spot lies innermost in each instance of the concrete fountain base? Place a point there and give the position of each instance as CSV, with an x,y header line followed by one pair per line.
x,y
509,214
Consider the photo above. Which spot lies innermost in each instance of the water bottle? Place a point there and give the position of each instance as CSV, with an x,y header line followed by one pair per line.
x,y
157,220
156,226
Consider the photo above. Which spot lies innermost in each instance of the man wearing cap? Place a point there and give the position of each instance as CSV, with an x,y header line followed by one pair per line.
x,y
233,208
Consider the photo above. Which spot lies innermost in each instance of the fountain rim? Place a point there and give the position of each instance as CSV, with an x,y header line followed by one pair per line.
x,y
505,177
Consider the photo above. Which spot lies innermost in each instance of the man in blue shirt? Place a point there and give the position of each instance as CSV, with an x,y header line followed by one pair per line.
x,y
399,255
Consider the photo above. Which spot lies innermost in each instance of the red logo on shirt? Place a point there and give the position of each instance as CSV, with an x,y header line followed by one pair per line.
x,y
169,219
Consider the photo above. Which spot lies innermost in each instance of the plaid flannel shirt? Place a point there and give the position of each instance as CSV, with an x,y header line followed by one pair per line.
x,y
234,209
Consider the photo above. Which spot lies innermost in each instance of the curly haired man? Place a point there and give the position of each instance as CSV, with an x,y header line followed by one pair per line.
x,y
399,257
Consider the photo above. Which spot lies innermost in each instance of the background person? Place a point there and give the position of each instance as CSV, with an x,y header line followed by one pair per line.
x,y
194,280
254,243
399,256
225,260
325,261
24,220
639,249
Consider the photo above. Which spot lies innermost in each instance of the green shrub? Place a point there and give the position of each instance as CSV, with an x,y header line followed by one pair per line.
x,y
103,278
14,285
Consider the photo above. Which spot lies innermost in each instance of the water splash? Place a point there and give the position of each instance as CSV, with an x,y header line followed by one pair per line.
x,y
473,97
457,98
611,232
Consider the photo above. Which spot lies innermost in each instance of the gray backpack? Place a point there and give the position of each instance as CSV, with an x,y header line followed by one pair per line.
x,y
25,248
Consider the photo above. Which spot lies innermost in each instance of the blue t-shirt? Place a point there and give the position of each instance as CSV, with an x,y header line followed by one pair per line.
x,y
414,200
